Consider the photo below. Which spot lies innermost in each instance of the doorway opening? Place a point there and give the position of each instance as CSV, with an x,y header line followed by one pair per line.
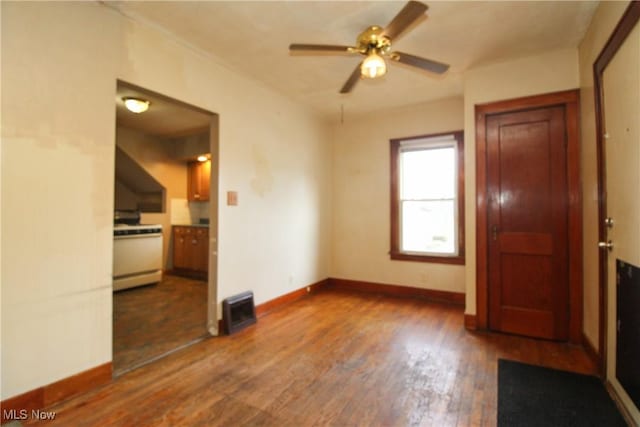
x,y
165,227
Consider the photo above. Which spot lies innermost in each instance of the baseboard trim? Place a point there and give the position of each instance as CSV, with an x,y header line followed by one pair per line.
x,y
616,399
266,307
447,297
471,322
58,391
593,354
456,298
29,401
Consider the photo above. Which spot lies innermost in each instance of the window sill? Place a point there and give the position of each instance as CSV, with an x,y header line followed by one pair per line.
x,y
399,256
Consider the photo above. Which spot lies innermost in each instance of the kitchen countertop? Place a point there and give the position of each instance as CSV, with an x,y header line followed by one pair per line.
x,y
191,225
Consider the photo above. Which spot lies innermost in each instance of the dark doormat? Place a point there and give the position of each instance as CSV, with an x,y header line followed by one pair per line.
x,y
535,396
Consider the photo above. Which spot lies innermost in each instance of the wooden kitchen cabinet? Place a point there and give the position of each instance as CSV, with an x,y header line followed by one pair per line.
x,y
191,251
201,250
198,180
181,246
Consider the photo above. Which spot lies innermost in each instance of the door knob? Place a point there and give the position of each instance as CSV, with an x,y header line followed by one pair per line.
x,y
608,222
606,245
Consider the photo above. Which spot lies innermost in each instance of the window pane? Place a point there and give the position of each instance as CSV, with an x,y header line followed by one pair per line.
x,y
428,227
428,173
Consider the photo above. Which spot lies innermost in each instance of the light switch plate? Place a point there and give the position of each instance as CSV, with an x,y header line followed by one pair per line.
x,y
232,198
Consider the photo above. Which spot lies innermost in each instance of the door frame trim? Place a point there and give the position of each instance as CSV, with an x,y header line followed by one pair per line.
x,y
627,23
570,101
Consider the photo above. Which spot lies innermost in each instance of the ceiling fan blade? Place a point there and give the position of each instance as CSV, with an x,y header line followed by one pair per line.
x,y
416,61
321,48
407,16
352,80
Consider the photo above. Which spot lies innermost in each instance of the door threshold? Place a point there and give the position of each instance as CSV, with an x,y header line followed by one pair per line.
x,y
118,373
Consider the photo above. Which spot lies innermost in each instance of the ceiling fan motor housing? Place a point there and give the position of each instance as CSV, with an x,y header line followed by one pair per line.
x,y
373,39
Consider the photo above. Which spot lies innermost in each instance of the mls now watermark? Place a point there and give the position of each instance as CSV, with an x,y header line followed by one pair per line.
x,y
23,414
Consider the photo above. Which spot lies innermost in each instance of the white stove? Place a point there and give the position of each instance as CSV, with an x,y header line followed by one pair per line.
x,y
137,255
132,229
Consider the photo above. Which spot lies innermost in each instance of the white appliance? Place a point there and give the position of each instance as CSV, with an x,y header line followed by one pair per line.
x,y
137,255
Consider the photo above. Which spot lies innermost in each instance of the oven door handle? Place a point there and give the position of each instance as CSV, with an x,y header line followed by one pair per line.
x,y
136,236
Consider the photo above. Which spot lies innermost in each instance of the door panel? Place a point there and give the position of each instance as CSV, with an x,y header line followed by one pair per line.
x,y
527,219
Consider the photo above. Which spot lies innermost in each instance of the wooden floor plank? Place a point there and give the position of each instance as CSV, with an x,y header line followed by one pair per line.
x,y
149,321
333,358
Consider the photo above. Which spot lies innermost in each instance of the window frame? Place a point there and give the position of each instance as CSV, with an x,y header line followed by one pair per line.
x,y
395,253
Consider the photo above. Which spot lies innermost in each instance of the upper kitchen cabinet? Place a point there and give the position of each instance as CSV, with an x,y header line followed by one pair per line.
x,y
199,176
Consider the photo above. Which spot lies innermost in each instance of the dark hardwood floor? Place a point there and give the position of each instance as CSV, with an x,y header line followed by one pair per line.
x,y
150,321
334,358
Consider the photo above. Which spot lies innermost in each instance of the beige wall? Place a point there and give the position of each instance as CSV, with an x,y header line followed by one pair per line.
x,y
360,242
155,155
272,152
548,72
361,222
604,21
58,133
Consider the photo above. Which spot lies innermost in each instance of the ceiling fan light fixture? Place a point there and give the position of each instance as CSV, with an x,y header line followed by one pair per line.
x,y
375,43
373,66
136,105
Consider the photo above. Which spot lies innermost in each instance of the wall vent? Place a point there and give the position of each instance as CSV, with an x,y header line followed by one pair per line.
x,y
238,312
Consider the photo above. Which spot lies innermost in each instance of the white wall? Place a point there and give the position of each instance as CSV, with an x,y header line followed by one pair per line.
x,y
548,72
58,127
361,212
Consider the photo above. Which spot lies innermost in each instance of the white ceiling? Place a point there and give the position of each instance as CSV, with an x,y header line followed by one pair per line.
x,y
253,38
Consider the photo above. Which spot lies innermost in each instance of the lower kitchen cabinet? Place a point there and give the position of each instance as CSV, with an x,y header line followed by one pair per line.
x,y
191,251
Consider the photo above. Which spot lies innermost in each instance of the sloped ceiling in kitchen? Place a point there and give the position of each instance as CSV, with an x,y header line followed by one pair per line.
x,y
143,191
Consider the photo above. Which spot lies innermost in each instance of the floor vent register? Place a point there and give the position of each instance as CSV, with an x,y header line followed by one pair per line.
x,y
238,312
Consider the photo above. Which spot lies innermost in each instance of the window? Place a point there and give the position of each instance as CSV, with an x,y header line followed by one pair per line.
x,y
427,198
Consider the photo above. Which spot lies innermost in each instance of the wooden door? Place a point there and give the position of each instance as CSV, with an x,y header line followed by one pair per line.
x,y
527,217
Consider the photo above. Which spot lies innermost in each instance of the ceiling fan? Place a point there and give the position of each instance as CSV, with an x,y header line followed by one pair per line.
x,y
375,44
